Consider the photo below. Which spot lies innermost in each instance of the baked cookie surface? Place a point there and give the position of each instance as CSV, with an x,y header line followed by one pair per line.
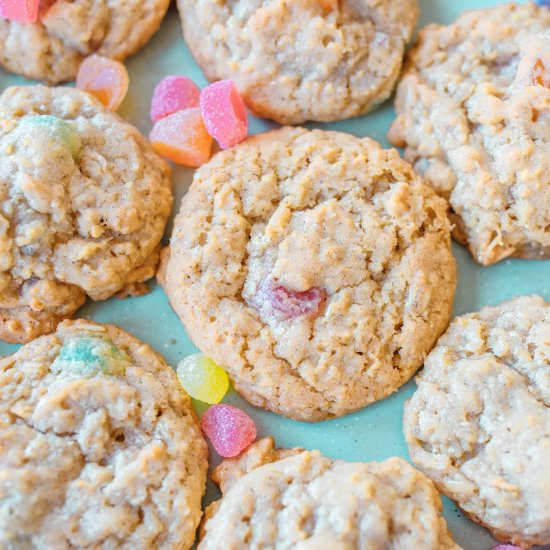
x,y
479,423
305,59
472,111
314,267
99,445
70,30
307,501
84,201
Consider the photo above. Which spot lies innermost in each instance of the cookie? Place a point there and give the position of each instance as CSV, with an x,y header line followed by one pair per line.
x,y
308,501
472,111
99,445
302,60
479,423
69,30
83,215
314,267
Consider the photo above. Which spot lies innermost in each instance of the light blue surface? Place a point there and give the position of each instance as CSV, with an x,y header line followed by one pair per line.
x,y
374,433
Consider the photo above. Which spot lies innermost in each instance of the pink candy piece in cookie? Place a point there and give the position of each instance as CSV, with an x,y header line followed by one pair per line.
x,y
224,113
506,547
25,11
229,429
173,94
288,303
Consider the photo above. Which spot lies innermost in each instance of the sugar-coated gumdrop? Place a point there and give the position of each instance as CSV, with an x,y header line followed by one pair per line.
x,y
104,78
182,137
25,11
58,129
89,356
224,113
173,94
229,429
288,303
202,379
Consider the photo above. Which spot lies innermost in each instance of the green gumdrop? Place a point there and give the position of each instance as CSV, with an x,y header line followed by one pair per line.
x,y
89,356
58,128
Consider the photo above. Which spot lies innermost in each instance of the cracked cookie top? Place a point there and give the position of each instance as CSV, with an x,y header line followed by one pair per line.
x,y
99,445
84,201
313,266
473,112
70,30
479,422
307,501
305,59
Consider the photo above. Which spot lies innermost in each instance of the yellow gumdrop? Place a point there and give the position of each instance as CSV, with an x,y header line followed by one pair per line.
x,y
202,379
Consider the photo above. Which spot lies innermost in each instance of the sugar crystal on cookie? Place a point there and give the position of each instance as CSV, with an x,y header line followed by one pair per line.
x,y
202,379
229,429
224,113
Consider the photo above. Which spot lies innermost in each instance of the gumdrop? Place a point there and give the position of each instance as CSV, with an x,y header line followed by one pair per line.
x,y
289,304
173,94
202,379
25,11
182,137
224,113
58,128
89,356
229,429
506,547
104,78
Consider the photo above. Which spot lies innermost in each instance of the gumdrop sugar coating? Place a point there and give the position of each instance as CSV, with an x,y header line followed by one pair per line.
x,y
88,356
104,78
173,94
229,429
25,11
202,379
57,128
224,113
182,137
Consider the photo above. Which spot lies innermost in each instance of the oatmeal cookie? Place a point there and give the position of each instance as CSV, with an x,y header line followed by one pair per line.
x,y
302,59
69,30
300,499
99,445
474,117
479,423
84,201
314,267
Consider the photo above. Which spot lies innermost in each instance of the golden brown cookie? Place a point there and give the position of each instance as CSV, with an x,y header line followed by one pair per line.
x,y
84,201
99,445
313,266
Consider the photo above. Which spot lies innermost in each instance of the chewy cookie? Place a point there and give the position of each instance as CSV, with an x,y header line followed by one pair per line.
x,y
99,445
84,201
479,422
300,499
69,30
302,59
314,267
473,117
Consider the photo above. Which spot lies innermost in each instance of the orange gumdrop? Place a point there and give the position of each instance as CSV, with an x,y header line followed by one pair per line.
x,y
182,137
541,75
104,78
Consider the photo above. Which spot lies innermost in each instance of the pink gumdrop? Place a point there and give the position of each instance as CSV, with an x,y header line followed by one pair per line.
x,y
173,94
224,113
290,304
229,429
506,547
25,11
